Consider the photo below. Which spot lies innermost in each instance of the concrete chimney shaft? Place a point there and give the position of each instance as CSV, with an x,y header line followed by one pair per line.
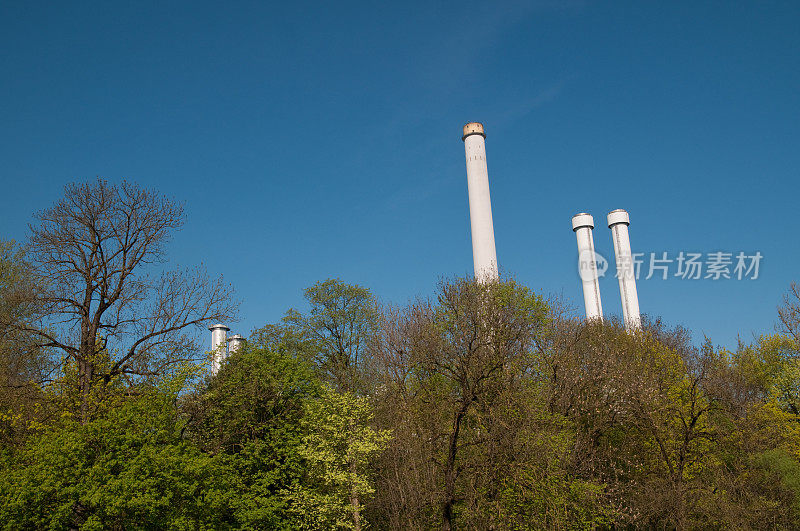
x,y
484,255
582,225
618,221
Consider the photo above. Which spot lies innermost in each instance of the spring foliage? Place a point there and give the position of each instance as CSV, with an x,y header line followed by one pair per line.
x,y
484,407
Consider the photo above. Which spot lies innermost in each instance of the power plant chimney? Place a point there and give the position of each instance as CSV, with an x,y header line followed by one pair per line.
x,y
218,333
218,345
484,255
234,342
582,225
618,221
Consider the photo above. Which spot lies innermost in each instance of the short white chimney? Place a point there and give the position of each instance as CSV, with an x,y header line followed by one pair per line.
x,y
234,343
218,345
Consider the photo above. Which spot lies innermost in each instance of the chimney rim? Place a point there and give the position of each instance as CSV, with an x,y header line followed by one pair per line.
x,y
473,128
581,220
615,217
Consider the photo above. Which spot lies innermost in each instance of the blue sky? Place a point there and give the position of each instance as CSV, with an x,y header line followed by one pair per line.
x,y
316,140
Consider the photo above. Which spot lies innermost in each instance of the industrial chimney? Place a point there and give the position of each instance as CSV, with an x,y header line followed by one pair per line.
x,y
618,221
484,255
218,345
582,225
218,333
234,342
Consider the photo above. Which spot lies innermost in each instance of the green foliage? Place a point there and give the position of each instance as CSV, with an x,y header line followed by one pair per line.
x,y
250,416
786,469
538,491
337,448
255,393
286,338
22,363
479,409
339,328
774,366
554,501
299,449
129,469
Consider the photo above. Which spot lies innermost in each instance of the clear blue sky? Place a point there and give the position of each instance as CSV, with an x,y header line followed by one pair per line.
x,y
315,140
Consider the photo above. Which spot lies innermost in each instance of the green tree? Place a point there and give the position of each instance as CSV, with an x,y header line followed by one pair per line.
x,y
127,469
773,366
337,448
24,367
249,415
757,441
341,327
452,370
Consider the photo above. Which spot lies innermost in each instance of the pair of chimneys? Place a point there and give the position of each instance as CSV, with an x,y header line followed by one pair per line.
x,y
618,221
222,346
484,254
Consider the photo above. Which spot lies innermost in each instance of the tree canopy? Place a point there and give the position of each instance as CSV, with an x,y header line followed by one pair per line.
x,y
484,406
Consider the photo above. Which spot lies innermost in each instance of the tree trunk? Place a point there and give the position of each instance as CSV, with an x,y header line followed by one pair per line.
x,y
354,500
85,375
450,471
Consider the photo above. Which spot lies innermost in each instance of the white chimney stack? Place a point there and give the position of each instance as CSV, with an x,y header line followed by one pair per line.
x,y
582,225
218,345
234,342
618,221
484,255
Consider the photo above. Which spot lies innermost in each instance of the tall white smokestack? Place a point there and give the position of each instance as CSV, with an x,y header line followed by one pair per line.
x,y
582,225
234,342
484,255
618,221
218,345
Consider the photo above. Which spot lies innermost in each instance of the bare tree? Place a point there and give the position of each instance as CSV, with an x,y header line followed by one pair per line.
x,y
98,301
448,367
789,313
